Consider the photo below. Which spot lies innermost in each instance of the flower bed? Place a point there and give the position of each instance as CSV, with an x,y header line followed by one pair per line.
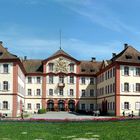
x,y
99,119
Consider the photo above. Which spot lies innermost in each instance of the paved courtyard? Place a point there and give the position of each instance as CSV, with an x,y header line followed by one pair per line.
x,y
64,115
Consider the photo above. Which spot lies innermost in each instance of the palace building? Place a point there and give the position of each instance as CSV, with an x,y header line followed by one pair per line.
x,y
61,82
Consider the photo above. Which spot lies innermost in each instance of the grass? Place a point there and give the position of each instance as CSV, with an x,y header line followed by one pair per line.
x,y
120,130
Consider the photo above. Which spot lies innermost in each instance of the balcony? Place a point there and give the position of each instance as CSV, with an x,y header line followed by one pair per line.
x,y
61,84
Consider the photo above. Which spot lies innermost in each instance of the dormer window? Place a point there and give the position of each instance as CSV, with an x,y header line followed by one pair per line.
x,y
128,57
1,53
138,57
51,65
71,67
83,70
92,70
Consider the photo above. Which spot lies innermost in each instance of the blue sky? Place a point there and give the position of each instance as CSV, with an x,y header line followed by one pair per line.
x,y
90,28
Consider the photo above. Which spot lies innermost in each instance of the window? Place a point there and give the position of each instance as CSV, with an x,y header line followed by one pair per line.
x,y
138,87
71,79
108,75
5,105
126,105
51,92
126,87
38,92
113,87
91,107
113,72
91,81
105,75
29,79
5,68
83,81
83,106
38,106
83,93
38,80
108,89
71,92
29,106
51,66
137,71
29,92
5,85
60,91
61,79
91,92
50,79
126,70
71,67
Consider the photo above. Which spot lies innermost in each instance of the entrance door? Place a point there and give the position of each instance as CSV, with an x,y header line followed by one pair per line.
x,y
50,105
104,107
61,105
71,105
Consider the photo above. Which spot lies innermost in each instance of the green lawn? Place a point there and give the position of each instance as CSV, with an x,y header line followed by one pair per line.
x,y
124,130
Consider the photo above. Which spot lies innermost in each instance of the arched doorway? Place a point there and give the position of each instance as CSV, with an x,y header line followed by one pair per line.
x,y
61,105
71,105
50,105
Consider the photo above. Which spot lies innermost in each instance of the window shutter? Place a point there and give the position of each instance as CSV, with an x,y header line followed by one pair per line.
x,y
0,106
8,106
134,72
47,92
136,105
134,87
122,106
129,106
129,87
0,86
47,77
74,79
9,68
68,79
1,68
9,86
131,69
34,92
87,106
122,70
122,87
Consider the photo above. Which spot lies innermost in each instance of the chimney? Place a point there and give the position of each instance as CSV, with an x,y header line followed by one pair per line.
x,y
93,59
1,42
25,57
113,55
125,45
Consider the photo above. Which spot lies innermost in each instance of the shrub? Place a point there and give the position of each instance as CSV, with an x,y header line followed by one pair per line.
x,y
41,111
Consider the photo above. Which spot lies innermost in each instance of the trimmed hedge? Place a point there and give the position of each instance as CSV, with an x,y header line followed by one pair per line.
x,y
42,111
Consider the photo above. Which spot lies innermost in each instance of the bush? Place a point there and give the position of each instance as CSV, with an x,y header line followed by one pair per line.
x,y
41,111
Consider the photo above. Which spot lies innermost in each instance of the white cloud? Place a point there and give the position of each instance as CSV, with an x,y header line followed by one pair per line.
x,y
100,14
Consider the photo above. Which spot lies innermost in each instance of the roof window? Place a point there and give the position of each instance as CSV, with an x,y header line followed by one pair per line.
x,y
128,57
83,70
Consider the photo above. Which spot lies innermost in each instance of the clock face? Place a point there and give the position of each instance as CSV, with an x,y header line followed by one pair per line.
x,y
61,65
